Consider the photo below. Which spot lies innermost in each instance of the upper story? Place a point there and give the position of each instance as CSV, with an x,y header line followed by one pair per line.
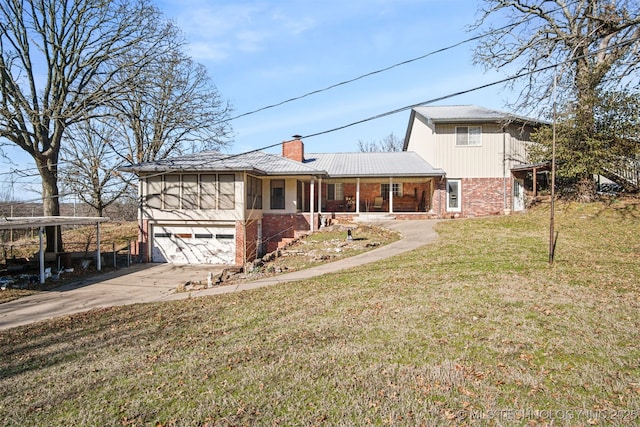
x,y
468,141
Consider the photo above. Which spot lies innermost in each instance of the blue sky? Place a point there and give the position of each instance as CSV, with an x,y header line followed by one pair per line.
x,y
261,52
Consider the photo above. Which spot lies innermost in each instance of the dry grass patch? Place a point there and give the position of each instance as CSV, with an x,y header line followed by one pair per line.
x,y
476,328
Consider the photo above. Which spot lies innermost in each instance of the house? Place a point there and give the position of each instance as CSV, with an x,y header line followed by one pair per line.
x,y
483,153
230,209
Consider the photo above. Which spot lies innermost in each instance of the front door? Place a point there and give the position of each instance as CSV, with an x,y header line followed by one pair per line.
x,y
453,195
518,195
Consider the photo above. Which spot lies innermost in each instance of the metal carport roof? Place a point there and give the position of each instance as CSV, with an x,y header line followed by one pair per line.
x,y
47,221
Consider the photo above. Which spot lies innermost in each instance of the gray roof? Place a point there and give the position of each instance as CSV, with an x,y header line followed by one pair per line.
x,y
256,162
337,165
470,114
387,164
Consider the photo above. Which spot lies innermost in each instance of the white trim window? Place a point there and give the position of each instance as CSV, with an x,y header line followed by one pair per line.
x,y
335,191
468,136
454,195
396,187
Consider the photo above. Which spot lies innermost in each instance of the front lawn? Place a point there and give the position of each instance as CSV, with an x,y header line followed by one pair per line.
x,y
475,328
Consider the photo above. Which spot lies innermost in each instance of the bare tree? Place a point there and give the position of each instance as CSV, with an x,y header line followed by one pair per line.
x,y
596,43
386,144
90,168
172,108
62,60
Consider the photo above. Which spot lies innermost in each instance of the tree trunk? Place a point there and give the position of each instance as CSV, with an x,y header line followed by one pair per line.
x,y
50,201
585,121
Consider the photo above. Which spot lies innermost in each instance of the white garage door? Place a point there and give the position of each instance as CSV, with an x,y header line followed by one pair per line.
x,y
194,245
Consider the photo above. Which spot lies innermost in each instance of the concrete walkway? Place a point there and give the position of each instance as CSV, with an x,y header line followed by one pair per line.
x,y
142,283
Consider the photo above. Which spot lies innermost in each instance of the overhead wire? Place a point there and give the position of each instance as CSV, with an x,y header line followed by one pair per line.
x,y
398,110
354,79
422,103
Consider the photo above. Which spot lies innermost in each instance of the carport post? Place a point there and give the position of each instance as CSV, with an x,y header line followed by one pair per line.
x,y
42,278
98,260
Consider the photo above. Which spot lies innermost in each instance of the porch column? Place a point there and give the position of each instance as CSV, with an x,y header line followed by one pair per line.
x,y
319,195
357,195
390,195
311,206
535,182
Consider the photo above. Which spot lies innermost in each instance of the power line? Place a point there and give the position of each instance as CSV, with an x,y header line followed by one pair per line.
x,y
452,95
369,74
382,70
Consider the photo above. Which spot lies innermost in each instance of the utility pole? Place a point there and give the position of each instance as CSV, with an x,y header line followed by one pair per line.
x,y
552,240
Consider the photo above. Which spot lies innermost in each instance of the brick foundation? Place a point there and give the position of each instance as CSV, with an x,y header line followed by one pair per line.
x,y
251,230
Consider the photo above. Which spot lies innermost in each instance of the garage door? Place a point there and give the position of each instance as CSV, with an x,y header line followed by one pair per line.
x,y
194,245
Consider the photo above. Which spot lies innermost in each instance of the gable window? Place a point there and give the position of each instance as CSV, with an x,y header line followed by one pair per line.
x,y
277,194
254,193
454,195
468,136
396,188
335,191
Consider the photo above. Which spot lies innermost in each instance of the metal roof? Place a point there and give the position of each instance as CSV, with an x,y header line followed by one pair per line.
x,y
256,162
46,221
387,164
470,114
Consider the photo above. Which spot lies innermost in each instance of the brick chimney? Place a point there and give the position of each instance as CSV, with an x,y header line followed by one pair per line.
x,y
293,149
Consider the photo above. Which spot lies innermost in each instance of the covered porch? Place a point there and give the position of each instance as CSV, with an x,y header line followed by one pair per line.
x,y
354,196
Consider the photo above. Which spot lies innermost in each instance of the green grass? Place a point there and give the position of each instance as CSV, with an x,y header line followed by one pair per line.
x,y
475,325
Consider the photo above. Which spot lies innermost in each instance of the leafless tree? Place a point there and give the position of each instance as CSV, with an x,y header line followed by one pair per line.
x,y
172,108
60,61
90,167
594,42
386,144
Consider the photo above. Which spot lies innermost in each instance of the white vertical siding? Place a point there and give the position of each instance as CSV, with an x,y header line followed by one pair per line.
x,y
500,150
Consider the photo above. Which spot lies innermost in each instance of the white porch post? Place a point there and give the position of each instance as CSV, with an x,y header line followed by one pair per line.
x,y
311,206
99,258
357,195
319,195
390,195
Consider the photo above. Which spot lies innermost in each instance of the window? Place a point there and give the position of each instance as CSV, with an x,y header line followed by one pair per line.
x,y
154,191
254,193
468,136
277,194
208,191
190,191
172,192
227,195
453,195
335,191
397,190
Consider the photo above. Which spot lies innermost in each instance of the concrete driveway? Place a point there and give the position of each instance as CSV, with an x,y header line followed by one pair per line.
x,y
136,284
143,283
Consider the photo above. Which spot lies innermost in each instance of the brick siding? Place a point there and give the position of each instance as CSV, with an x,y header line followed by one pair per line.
x,y
278,228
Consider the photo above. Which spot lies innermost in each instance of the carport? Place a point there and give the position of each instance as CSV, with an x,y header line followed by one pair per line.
x,y
53,221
